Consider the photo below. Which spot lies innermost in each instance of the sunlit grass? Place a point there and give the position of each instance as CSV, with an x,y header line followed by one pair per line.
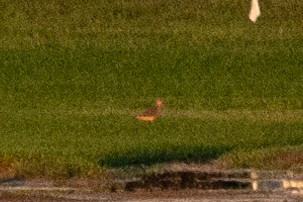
x,y
73,74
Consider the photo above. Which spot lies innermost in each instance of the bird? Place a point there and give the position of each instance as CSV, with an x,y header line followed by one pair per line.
x,y
254,11
151,113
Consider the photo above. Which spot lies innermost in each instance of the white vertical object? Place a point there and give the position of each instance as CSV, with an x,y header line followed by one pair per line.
x,y
254,182
254,11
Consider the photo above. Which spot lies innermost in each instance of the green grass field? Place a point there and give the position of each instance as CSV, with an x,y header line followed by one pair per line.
x,y
74,73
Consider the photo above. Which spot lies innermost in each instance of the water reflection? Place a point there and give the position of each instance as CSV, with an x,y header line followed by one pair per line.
x,y
253,180
280,181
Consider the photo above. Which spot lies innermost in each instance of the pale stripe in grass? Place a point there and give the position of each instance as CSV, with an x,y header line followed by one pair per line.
x,y
250,115
232,115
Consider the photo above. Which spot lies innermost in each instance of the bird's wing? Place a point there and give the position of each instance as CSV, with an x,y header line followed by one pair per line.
x,y
151,111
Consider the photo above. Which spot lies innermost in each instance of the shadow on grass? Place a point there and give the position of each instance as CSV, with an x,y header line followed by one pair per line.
x,y
185,154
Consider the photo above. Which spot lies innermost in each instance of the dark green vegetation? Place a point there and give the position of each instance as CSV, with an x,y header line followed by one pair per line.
x,y
73,73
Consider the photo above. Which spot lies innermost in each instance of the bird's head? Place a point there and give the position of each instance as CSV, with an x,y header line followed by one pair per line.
x,y
159,102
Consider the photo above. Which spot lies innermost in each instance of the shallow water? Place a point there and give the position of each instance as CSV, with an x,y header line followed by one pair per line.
x,y
186,185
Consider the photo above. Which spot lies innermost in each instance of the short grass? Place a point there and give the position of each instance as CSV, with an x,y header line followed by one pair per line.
x,y
73,73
